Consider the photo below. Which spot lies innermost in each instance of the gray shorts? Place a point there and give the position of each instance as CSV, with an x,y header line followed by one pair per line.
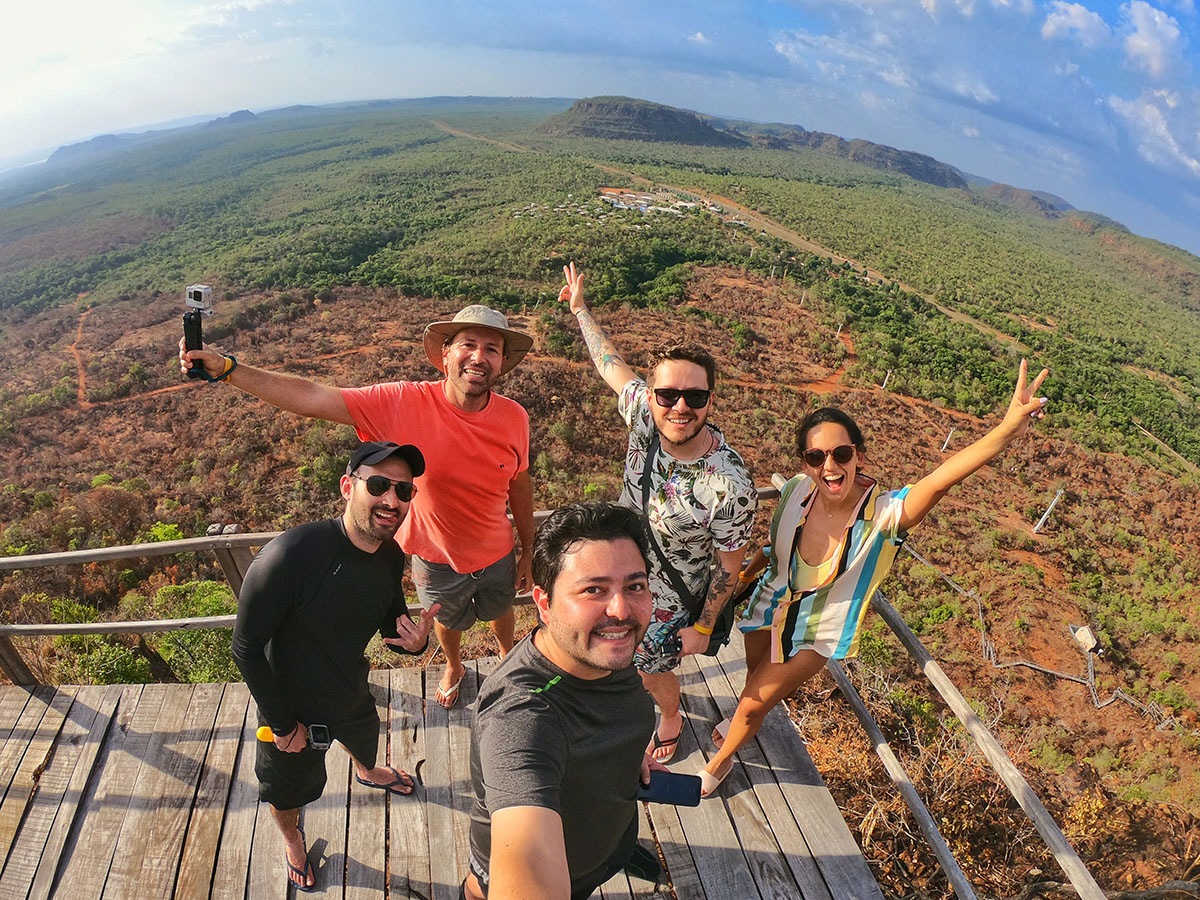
x,y
476,596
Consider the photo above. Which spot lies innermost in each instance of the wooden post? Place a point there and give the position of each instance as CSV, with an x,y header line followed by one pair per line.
x,y
895,769
13,665
946,443
885,380
1067,858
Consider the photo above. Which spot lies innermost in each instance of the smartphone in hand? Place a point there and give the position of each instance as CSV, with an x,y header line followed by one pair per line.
x,y
671,787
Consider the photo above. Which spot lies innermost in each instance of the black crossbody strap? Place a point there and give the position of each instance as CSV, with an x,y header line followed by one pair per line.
x,y
676,580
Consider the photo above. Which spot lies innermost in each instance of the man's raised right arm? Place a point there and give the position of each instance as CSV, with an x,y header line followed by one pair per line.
x,y
289,392
608,361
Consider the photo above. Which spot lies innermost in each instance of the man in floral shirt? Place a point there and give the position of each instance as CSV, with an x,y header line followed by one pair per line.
x,y
700,503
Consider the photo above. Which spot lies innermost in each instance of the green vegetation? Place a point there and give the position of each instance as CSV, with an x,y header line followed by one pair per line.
x,y
384,197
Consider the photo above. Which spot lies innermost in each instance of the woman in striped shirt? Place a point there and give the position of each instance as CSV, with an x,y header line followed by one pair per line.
x,y
834,537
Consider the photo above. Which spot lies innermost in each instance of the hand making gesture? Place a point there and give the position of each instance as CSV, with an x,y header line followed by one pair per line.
x,y
412,636
572,292
1024,406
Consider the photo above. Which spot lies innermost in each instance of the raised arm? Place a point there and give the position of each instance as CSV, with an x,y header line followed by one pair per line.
x,y
288,392
608,361
1022,409
529,856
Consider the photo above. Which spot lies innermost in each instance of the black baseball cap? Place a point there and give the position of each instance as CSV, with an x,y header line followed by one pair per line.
x,y
371,452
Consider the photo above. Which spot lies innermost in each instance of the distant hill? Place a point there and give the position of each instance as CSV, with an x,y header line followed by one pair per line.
x,y
623,118
242,115
1037,202
104,143
878,156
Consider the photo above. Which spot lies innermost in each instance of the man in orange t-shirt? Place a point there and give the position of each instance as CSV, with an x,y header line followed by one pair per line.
x,y
476,448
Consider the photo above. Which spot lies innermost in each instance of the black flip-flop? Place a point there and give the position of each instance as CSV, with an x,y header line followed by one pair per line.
x,y
399,782
659,743
302,885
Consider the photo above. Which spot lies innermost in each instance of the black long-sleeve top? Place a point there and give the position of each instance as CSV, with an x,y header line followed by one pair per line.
x,y
310,603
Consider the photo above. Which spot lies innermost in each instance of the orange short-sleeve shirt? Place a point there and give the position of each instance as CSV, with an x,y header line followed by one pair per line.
x,y
459,515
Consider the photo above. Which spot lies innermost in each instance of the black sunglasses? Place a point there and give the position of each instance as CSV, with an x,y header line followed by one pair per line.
x,y
816,458
377,486
695,398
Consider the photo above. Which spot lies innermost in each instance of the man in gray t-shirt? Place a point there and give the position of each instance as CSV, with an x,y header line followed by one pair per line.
x,y
560,729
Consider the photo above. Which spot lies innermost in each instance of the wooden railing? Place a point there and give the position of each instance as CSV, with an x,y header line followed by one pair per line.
x,y
232,549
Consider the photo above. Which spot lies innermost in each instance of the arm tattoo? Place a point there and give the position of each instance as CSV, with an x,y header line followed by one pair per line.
x,y
719,590
603,353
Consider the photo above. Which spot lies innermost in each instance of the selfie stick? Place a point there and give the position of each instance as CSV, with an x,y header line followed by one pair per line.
x,y
198,298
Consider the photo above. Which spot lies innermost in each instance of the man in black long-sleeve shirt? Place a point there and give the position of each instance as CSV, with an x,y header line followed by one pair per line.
x,y
310,603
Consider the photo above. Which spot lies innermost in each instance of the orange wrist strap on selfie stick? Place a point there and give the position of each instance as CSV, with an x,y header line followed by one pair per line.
x,y
318,736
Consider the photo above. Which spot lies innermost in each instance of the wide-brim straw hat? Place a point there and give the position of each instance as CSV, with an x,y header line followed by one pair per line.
x,y
516,343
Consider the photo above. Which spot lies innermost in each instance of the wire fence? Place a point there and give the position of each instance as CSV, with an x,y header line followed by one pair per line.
x,y
1152,711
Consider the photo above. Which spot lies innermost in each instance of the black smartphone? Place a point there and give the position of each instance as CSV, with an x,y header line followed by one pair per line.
x,y
318,736
671,787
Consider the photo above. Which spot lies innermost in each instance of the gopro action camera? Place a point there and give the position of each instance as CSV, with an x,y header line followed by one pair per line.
x,y
198,298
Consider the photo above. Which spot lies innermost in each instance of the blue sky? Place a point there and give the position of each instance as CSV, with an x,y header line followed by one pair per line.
x,y
1098,102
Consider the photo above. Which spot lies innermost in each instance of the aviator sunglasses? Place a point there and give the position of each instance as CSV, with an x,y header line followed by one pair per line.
x,y
377,486
816,458
695,398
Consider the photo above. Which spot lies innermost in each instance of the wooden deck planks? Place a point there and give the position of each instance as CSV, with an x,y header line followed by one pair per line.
x,y
78,767
21,734
408,832
28,846
29,769
89,850
144,792
233,857
199,858
366,846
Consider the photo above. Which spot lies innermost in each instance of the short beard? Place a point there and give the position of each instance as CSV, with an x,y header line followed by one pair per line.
x,y
370,530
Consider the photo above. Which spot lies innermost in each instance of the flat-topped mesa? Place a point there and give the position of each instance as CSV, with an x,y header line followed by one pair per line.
x,y
624,118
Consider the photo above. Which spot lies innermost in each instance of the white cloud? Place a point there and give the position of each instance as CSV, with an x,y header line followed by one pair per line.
x,y
973,89
896,77
1022,6
1067,69
1154,41
1074,19
1151,132
970,131
699,38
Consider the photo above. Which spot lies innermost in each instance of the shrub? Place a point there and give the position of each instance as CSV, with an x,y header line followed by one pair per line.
x,y
195,656
94,658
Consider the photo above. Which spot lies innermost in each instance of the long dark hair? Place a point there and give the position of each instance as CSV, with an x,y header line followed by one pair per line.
x,y
828,415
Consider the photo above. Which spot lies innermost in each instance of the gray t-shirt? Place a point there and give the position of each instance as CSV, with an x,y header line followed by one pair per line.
x,y
541,737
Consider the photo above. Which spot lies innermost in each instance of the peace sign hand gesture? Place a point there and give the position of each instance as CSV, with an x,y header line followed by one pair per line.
x,y
572,292
1024,406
